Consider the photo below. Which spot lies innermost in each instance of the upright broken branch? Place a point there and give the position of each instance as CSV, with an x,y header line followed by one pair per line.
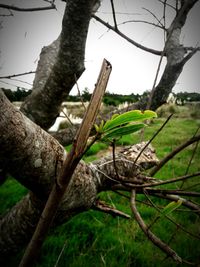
x,y
70,164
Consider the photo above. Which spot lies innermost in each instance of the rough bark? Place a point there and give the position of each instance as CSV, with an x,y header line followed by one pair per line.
x,y
27,152
60,65
176,54
87,181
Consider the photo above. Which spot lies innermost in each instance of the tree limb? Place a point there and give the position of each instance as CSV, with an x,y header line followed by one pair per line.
x,y
173,153
16,75
153,51
15,8
59,64
163,246
103,207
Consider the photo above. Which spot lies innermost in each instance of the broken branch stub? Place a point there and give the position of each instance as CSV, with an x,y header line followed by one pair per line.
x,y
72,160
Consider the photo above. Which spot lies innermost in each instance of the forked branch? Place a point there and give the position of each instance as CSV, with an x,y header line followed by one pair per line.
x,y
159,243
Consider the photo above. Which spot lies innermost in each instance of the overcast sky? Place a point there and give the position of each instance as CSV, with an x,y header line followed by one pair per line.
x,y
23,35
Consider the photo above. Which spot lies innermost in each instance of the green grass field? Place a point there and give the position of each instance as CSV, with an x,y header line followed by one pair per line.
x,y
96,239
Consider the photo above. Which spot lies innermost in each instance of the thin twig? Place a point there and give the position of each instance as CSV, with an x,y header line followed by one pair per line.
x,y
15,8
114,15
79,93
187,203
167,4
173,153
67,117
152,138
158,20
114,159
170,219
142,21
192,156
169,181
153,51
173,192
104,207
16,75
18,80
159,243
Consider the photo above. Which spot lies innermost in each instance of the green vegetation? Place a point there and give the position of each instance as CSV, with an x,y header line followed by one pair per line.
x,y
97,239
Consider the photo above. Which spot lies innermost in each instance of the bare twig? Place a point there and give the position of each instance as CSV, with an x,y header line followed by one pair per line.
x,y
18,80
15,8
14,85
102,206
142,21
187,203
114,159
173,192
166,216
153,51
79,92
169,181
164,18
16,75
173,153
152,138
159,243
192,156
67,117
167,4
114,15
158,20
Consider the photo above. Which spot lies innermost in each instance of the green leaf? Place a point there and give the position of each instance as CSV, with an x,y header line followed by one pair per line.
x,y
96,127
119,132
171,207
127,117
99,128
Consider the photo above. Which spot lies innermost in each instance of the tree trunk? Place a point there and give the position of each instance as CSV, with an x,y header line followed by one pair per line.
x,y
38,167
176,54
60,65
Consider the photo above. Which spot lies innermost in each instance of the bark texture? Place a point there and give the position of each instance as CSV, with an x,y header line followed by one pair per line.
x,y
38,168
27,152
60,65
176,54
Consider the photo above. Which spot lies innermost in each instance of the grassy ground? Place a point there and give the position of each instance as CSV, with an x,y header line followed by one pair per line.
x,y
97,239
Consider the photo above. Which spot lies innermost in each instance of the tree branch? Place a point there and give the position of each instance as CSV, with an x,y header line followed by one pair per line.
x,y
15,8
163,246
155,52
17,75
59,64
114,14
173,153
163,182
70,164
143,21
152,138
103,207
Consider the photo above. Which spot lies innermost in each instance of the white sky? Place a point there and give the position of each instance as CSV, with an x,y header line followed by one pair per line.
x,y
23,35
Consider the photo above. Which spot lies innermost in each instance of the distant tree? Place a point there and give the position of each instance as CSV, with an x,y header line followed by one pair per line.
x,y
86,95
187,97
18,95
